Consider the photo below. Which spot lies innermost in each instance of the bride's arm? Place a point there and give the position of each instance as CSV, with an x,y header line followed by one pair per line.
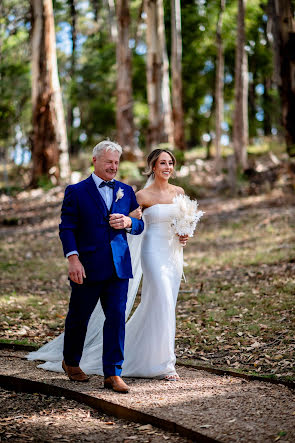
x,y
137,213
141,198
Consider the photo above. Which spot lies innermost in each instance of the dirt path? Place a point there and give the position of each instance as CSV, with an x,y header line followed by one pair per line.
x,y
41,418
224,408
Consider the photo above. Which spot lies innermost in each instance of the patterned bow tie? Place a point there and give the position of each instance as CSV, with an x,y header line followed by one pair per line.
x,y
109,184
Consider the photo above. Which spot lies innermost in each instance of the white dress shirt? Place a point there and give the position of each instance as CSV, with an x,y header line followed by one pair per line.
x,y
106,192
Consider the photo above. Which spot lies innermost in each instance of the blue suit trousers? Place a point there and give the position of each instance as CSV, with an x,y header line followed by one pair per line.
x,y
113,296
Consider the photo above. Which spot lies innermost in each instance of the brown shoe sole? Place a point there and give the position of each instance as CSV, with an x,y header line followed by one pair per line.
x,y
109,386
72,377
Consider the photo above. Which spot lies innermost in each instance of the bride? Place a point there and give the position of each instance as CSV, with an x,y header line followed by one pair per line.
x,y
150,332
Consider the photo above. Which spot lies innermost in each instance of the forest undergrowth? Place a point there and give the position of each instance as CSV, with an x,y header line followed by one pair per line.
x,y
236,305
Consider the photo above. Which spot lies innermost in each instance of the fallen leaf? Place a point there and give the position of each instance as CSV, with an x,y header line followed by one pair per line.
x,y
145,428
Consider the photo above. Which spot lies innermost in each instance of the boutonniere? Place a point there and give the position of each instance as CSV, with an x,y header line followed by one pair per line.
x,y
119,195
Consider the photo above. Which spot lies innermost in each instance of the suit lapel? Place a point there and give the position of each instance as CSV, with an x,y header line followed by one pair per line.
x,y
95,194
115,190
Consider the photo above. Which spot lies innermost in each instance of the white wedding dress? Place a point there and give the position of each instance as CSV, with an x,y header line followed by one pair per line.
x,y
150,332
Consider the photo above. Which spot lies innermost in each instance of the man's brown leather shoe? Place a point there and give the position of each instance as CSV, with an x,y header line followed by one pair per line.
x,y
116,383
74,373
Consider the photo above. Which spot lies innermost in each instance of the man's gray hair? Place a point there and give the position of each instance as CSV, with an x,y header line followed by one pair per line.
x,y
106,145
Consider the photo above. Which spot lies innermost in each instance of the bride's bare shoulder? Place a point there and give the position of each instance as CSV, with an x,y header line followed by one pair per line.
x,y
178,190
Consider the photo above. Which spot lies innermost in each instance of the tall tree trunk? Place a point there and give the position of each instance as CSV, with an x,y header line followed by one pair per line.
x,y
124,115
267,105
49,141
273,33
138,23
95,5
70,119
176,58
111,8
245,78
240,123
219,85
167,134
252,105
282,14
154,76
3,150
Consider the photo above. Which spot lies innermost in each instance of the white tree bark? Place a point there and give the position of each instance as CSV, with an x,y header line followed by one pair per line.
x,y
176,60
154,75
167,135
240,119
112,20
219,85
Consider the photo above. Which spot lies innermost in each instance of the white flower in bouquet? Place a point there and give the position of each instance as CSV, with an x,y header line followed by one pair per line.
x,y
187,217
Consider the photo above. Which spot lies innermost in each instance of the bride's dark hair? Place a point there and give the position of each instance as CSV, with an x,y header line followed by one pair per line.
x,y
153,157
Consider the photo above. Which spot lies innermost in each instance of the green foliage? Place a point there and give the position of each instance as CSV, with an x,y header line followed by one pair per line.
x,y
179,156
198,65
190,189
129,170
90,89
96,87
15,89
45,183
25,342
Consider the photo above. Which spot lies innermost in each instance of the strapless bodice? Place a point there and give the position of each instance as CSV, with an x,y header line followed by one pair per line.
x,y
158,233
160,213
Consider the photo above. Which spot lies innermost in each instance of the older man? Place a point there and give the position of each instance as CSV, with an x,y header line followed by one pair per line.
x,y
94,221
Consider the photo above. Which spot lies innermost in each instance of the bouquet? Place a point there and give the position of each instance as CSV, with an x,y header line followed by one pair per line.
x,y
187,217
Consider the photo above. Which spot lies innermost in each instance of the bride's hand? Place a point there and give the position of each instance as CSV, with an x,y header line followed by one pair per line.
x,y
183,239
137,213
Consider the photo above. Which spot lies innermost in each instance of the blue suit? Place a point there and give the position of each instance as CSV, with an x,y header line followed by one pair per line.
x,y
104,253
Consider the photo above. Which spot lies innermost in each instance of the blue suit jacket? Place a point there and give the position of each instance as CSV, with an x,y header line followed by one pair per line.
x,y
85,228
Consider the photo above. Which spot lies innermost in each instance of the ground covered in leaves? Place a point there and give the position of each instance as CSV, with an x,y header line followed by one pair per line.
x,y
240,271
43,418
228,409
235,309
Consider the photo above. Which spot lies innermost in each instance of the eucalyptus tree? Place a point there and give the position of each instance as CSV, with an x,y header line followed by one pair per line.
x,y
176,70
167,134
49,139
282,23
219,101
154,75
72,71
124,109
111,8
15,87
105,11
240,118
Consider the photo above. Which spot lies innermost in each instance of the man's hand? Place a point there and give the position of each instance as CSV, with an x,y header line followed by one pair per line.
x,y
183,239
76,269
137,213
120,221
